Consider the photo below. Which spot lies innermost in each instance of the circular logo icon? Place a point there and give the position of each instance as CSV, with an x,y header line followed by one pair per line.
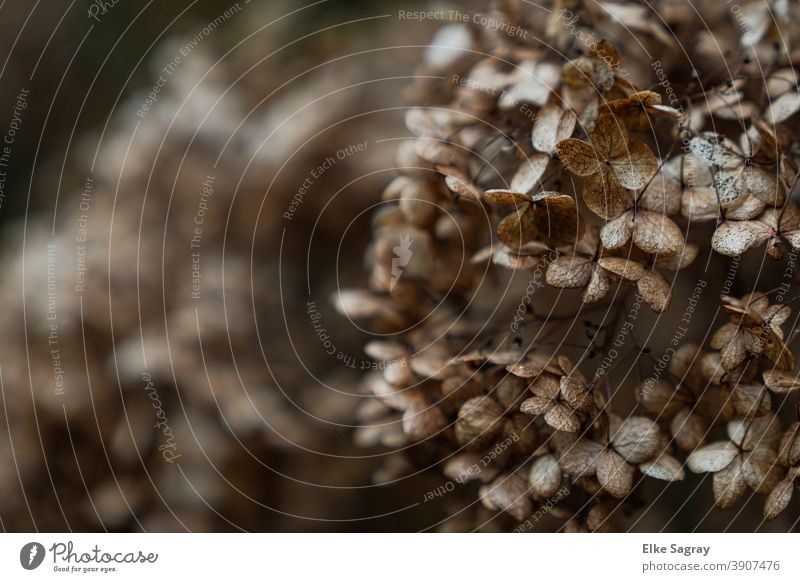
x,y
31,555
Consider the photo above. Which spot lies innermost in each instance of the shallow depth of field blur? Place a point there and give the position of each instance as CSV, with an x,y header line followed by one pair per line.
x,y
159,371
186,186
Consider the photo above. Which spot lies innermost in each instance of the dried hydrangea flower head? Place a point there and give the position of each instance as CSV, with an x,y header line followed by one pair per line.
x,y
584,182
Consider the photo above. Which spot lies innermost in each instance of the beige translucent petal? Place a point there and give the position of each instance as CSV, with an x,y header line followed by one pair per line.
x,y
637,439
551,126
569,272
664,467
598,287
529,173
616,233
562,418
578,157
700,205
716,150
734,238
712,458
783,107
508,493
458,182
657,234
545,477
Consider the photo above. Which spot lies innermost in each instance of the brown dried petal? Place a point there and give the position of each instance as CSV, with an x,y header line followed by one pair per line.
x,y
508,493
689,429
562,418
438,152
625,268
778,499
614,474
576,394
734,353
680,261
546,386
761,470
517,228
507,197
422,421
536,405
781,382
578,157
655,291
764,431
750,400
557,218
729,485
580,458
604,195
610,138
479,420
659,398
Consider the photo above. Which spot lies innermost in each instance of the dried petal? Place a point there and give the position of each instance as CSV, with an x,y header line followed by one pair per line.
x,y
729,485
562,418
655,233
778,499
664,467
545,477
614,474
655,291
712,458
637,439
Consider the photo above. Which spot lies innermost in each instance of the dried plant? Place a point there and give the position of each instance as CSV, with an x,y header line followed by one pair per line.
x,y
572,158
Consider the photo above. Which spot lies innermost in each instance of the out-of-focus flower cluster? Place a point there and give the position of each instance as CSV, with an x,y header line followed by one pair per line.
x,y
611,149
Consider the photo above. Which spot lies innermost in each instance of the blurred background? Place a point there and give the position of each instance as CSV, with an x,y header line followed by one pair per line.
x,y
159,370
